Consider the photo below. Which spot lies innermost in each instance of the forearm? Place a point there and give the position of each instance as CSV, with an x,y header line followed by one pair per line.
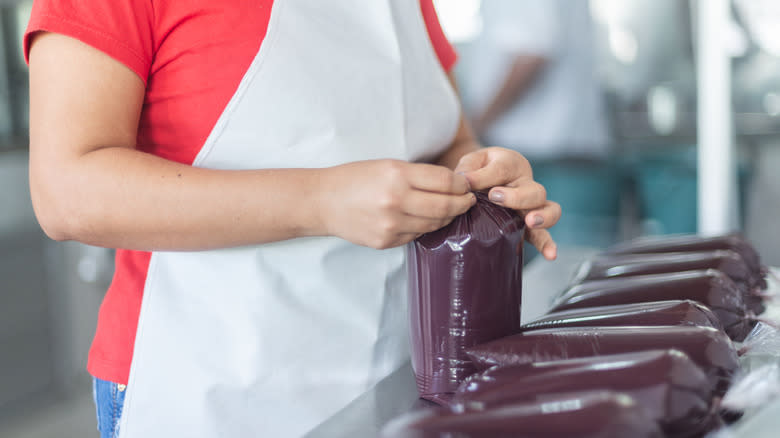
x,y
123,198
522,72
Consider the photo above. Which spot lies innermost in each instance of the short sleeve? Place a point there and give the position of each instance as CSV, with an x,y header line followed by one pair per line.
x,y
444,50
523,26
123,29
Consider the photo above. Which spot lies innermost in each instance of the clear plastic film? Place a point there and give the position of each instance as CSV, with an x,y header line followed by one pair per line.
x,y
685,410
711,288
654,313
753,389
600,414
465,286
709,348
763,340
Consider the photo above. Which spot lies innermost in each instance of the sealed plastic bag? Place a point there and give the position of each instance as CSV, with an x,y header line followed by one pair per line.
x,y
655,313
751,284
671,387
710,287
622,265
601,414
709,348
464,289
692,242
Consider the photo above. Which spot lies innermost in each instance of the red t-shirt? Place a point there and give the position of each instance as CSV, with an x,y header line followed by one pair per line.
x,y
191,55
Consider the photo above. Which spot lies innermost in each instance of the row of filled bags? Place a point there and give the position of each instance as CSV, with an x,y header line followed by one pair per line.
x,y
645,342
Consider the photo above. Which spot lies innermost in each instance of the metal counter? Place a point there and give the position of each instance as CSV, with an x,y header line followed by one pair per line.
x,y
397,394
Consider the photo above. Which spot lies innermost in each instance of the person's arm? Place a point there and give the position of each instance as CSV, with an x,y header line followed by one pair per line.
x,y
89,183
509,178
522,72
464,142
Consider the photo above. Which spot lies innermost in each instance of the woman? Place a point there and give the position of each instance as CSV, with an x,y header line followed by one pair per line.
x,y
259,164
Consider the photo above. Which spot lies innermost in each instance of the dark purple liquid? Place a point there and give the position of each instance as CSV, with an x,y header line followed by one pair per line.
x,y
623,265
655,313
464,289
599,414
688,243
672,388
709,348
710,287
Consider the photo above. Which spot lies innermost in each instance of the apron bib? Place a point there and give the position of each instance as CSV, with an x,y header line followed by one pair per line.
x,y
271,340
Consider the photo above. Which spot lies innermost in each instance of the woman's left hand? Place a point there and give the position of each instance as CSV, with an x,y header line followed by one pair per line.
x,y
509,177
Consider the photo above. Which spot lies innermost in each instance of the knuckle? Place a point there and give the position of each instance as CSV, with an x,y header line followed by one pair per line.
x,y
461,206
393,171
388,228
541,190
383,244
382,240
557,210
389,201
441,209
435,225
536,236
447,179
508,172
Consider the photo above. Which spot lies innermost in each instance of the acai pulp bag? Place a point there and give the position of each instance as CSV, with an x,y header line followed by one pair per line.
x,y
464,290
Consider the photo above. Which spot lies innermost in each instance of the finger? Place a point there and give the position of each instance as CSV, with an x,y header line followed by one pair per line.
x,y
433,178
544,217
529,195
408,237
543,242
471,161
436,205
490,167
415,225
498,173
404,238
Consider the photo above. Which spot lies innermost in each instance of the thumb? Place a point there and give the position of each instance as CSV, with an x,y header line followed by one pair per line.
x,y
471,162
469,165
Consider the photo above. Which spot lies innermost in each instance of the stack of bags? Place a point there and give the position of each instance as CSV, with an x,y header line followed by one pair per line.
x,y
643,344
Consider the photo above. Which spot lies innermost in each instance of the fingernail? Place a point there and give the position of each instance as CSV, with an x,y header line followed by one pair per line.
x,y
496,196
537,221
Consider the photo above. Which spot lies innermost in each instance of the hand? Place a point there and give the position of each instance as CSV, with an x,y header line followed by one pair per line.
x,y
509,177
387,203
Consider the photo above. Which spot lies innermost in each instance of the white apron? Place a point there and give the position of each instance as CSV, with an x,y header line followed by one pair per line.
x,y
272,340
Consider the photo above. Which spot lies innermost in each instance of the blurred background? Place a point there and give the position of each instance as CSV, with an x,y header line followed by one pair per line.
x,y
601,95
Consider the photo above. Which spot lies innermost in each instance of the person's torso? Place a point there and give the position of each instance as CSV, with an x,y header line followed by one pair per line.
x,y
202,52
562,111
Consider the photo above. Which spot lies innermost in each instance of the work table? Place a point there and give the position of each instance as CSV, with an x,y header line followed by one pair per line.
x,y
397,394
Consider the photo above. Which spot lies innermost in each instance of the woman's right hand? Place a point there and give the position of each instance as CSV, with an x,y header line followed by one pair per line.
x,y
387,203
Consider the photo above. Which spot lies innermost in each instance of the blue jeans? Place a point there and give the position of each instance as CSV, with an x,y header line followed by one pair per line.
x,y
109,400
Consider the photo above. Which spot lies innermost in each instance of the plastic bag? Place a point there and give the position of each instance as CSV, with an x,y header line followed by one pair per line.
x,y
684,410
709,348
655,313
622,265
601,414
465,288
692,242
710,287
